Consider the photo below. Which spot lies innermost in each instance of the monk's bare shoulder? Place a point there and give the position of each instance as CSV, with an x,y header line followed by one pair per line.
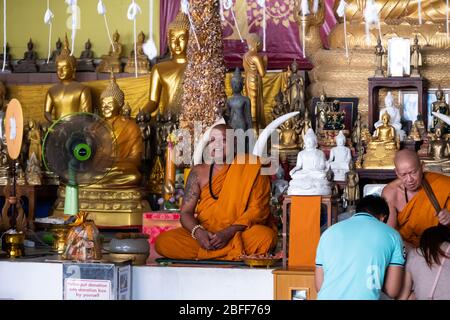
x,y
391,190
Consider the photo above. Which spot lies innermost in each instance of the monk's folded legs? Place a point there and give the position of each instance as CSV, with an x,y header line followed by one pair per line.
x,y
259,239
177,244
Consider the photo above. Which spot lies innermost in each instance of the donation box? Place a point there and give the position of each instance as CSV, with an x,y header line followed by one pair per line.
x,y
96,281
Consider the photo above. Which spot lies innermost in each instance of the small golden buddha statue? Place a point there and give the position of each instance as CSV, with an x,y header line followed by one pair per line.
x,y
34,139
69,96
289,136
255,67
438,158
166,83
112,59
381,149
143,66
416,58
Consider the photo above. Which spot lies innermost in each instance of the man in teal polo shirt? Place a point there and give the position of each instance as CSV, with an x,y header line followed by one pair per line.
x,y
359,257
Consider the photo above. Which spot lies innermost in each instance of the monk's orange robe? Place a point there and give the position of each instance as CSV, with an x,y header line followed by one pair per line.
x,y
419,214
243,199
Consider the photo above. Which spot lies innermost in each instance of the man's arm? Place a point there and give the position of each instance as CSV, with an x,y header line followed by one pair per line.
x,y
389,195
190,199
393,281
318,278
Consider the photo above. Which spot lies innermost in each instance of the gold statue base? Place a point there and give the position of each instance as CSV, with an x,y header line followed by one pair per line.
x,y
108,208
379,158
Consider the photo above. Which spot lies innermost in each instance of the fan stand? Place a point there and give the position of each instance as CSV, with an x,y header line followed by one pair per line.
x,y
17,218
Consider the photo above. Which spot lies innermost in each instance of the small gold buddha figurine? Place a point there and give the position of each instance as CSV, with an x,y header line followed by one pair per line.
x,y
28,63
112,59
381,149
166,83
143,66
126,110
414,134
442,107
439,147
416,58
34,139
379,53
289,136
156,180
86,61
68,96
33,172
351,189
255,66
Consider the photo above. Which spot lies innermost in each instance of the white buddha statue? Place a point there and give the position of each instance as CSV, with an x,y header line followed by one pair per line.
x,y
340,157
309,175
394,113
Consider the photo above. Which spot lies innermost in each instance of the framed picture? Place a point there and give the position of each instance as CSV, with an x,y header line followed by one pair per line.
x,y
432,98
399,57
299,293
409,103
349,105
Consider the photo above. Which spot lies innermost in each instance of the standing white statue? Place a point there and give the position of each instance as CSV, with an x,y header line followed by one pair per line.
x,y
309,175
394,113
340,157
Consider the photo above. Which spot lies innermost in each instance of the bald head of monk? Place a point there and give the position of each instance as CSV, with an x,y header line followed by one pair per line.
x,y
221,148
409,169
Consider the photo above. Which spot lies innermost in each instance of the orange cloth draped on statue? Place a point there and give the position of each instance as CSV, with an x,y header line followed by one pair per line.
x,y
244,197
419,214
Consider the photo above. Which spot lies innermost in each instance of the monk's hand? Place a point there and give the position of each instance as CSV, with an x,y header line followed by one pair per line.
x,y
203,239
221,238
444,217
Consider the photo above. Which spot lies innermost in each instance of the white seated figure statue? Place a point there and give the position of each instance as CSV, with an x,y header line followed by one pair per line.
x,y
394,113
340,157
309,176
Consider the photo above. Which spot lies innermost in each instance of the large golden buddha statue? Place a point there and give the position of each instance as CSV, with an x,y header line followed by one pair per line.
x,y
396,17
167,76
68,96
381,149
117,199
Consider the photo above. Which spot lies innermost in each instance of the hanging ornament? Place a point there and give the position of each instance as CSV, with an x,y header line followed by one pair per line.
x,y
341,13
262,4
419,5
304,7
228,5
447,9
48,19
315,6
371,17
74,7
150,46
4,36
102,11
133,11
185,10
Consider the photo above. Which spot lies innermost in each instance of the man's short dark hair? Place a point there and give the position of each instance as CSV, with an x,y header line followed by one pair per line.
x,y
375,205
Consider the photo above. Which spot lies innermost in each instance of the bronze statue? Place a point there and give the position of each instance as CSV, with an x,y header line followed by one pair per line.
x,y
442,107
166,85
321,110
51,65
143,121
379,52
356,131
86,61
143,65
28,63
296,89
255,67
6,56
351,189
239,109
439,147
68,96
111,61
34,138
416,58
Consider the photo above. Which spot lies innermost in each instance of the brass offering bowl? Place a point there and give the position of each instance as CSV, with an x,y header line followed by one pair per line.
x,y
14,244
260,262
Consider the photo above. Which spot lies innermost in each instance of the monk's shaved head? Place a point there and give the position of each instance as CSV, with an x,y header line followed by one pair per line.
x,y
406,155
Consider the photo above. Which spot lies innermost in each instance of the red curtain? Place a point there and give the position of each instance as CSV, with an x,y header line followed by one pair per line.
x,y
282,35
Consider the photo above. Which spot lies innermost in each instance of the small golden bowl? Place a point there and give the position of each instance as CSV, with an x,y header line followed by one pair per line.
x,y
261,262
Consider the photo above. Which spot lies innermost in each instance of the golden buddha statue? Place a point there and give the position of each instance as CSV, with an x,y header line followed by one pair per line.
x,y
289,136
438,152
396,17
255,67
381,149
34,138
166,83
143,66
68,96
416,58
116,199
112,59
442,107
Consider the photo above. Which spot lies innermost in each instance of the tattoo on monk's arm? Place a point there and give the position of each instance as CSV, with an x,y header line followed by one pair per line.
x,y
192,191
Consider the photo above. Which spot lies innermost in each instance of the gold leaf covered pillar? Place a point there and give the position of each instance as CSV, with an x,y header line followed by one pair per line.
x,y
204,85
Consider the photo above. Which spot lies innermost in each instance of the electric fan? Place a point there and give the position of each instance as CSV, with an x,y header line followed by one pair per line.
x,y
81,149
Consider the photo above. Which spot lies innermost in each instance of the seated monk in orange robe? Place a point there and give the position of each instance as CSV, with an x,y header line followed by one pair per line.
x,y
232,206
410,209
